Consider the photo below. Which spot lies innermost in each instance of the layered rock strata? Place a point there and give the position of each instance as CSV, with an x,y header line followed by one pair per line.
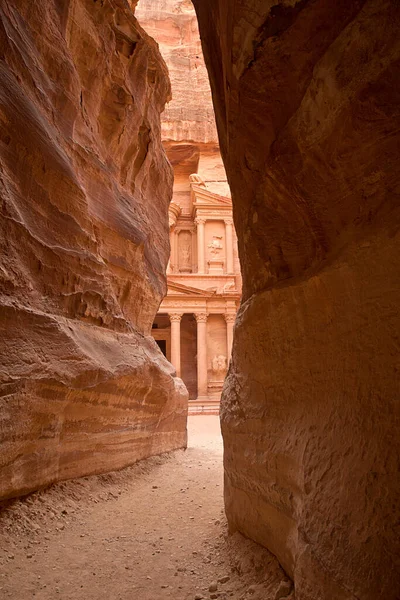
x,y
307,107
85,189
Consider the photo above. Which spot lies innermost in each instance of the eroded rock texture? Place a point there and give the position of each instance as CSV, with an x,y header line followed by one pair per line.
x,y
85,188
307,102
188,123
189,115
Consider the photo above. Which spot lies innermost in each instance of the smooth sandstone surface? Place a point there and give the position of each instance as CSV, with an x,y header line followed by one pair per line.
x,y
85,188
307,103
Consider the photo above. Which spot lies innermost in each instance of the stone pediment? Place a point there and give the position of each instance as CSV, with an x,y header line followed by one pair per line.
x,y
202,197
178,289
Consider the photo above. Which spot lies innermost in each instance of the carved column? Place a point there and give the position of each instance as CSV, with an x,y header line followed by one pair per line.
x,y
201,259
229,245
202,378
176,341
230,321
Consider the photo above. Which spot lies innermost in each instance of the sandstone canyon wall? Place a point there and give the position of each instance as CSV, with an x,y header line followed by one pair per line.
x,y
85,188
188,126
307,102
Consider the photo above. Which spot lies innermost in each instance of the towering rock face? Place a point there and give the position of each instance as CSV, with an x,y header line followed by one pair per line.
x,y
307,106
188,123
85,189
189,115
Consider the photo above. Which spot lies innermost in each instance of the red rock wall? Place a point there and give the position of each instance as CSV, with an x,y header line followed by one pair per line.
x,y
85,188
188,126
307,103
189,115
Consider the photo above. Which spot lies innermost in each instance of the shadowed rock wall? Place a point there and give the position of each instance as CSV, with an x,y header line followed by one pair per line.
x,y
85,188
307,102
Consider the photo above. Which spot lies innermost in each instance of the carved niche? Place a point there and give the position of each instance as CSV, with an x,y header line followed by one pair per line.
x,y
185,251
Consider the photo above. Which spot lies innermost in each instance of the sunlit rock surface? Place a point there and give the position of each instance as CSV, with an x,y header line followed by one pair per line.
x,y
307,104
173,24
188,124
85,188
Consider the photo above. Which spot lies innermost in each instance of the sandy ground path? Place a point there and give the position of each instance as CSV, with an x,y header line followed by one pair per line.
x,y
153,531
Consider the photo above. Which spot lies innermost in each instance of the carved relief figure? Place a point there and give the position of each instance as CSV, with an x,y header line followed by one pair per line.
x,y
218,364
186,255
215,245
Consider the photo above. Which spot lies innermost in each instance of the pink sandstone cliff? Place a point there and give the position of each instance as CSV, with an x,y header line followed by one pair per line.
x,y
188,123
85,188
307,102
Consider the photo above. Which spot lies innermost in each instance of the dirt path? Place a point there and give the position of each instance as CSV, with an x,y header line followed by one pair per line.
x,y
153,531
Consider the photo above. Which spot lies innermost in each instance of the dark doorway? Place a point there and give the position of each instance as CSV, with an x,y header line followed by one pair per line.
x,y
189,354
163,346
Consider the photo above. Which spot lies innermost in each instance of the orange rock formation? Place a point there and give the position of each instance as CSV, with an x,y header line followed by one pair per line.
x,y
188,122
307,103
85,189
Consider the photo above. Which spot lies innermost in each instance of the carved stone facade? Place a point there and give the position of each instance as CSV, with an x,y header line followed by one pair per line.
x,y
204,283
194,326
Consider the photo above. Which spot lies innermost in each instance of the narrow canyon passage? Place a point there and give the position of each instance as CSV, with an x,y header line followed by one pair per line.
x,y
154,530
157,262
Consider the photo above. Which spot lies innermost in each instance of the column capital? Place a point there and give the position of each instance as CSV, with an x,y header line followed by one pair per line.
x,y
200,220
201,317
228,221
175,316
230,318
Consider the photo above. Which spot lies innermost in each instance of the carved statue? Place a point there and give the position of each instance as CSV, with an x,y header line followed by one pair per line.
x,y
185,251
229,286
195,178
185,254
